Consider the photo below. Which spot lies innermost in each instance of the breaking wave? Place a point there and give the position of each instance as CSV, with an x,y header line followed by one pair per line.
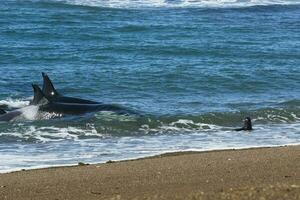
x,y
108,124
13,103
106,136
175,3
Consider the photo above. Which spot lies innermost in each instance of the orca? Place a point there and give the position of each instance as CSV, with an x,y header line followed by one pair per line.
x,y
247,125
51,93
2,111
53,106
9,116
56,103
6,117
3,106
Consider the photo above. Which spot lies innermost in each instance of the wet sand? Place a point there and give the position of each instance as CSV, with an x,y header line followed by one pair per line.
x,y
261,173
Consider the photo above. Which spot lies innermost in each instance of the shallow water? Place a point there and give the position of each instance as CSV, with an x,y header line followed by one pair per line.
x,y
192,69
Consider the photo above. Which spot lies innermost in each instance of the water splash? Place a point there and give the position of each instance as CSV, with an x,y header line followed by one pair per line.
x,y
30,112
14,103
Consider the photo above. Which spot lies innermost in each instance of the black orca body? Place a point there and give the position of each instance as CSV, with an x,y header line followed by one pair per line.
x,y
50,92
2,111
10,115
51,101
6,117
78,109
247,125
48,105
3,106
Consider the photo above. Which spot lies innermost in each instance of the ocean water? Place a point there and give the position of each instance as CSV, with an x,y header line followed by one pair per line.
x,y
193,69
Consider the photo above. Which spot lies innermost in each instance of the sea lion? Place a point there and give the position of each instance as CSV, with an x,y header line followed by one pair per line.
x,y
247,125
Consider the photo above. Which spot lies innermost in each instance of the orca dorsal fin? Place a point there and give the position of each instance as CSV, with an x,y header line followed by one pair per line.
x,y
2,111
39,97
48,88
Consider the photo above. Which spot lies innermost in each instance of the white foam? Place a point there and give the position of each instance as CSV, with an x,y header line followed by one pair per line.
x,y
180,126
52,133
176,3
14,103
63,146
30,112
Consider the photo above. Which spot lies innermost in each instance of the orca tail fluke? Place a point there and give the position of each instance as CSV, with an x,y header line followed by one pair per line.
x,y
39,96
48,88
2,111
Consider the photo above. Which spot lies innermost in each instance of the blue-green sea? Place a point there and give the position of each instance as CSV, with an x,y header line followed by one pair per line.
x,y
191,69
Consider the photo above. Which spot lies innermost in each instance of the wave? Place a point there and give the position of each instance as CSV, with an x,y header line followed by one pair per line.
x,y
127,4
13,103
109,124
208,122
106,136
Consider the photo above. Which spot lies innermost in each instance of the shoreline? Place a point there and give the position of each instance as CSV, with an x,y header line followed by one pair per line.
x,y
162,154
268,172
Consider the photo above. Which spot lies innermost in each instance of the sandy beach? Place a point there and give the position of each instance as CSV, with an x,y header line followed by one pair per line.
x,y
259,173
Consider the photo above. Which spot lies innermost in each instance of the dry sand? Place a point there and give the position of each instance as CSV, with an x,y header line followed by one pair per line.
x,y
262,173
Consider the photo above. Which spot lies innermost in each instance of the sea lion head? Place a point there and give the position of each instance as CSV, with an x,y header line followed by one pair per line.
x,y
247,123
